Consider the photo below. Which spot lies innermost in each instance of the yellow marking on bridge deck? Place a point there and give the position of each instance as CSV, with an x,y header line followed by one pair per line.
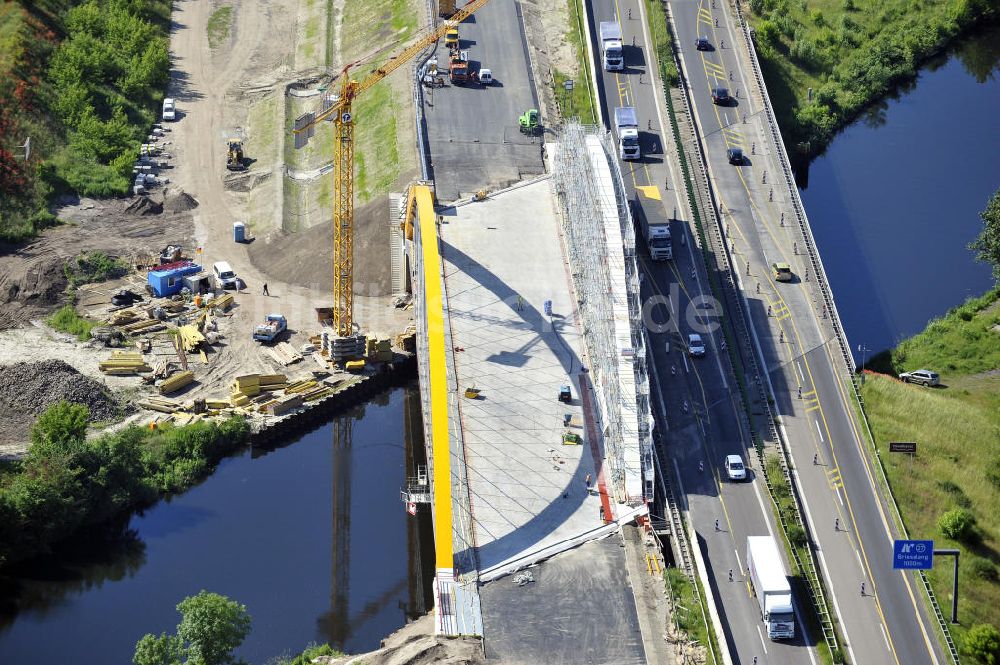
x,y
441,441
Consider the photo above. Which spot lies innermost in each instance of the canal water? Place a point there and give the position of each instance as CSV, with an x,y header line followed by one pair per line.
x,y
312,537
895,200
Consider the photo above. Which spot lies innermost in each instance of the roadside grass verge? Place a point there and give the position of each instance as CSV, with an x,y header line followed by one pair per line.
x,y
662,42
961,342
68,321
957,465
218,26
579,102
687,614
850,53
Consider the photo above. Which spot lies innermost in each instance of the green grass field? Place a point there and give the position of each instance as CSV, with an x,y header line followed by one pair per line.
x,y
580,102
957,431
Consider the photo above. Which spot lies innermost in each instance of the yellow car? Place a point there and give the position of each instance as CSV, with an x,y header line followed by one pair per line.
x,y
782,272
451,38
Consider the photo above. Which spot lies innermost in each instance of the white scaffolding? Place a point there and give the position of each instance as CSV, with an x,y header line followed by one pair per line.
x,y
601,245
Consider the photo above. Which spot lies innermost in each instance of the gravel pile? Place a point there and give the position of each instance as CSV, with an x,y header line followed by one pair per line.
x,y
30,387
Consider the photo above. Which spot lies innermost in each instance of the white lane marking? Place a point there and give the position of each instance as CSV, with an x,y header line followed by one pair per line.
x,y
818,430
836,606
860,565
802,377
761,636
687,368
840,498
738,561
885,636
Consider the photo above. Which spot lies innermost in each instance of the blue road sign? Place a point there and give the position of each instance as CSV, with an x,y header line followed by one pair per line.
x,y
913,554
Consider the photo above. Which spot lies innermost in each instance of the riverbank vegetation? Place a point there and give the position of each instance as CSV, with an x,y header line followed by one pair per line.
x,y
67,482
950,490
83,80
848,54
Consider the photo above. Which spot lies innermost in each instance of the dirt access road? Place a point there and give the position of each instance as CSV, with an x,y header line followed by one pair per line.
x,y
213,89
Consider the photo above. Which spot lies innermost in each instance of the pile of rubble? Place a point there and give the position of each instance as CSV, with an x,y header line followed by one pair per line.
x,y
28,388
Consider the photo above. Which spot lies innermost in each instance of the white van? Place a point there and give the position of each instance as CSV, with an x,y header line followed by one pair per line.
x,y
225,278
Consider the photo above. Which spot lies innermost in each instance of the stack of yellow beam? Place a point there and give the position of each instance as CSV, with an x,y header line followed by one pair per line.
x,y
161,404
216,404
309,390
176,382
248,384
273,381
223,302
190,337
378,350
124,363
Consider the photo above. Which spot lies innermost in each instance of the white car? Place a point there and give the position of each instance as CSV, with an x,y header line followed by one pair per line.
x,y
734,468
169,109
224,275
696,347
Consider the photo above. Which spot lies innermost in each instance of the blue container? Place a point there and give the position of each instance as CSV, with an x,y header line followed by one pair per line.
x,y
239,231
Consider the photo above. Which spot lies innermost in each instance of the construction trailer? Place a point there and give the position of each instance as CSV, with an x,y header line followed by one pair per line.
x,y
167,280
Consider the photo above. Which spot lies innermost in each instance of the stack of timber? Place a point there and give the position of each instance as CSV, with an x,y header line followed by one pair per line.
x,y
283,353
190,337
124,316
309,390
124,363
223,302
161,404
378,350
176,381
145,326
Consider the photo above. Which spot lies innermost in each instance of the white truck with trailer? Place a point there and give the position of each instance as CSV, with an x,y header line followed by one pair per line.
x,y
611,46
627,127
654,224
770,586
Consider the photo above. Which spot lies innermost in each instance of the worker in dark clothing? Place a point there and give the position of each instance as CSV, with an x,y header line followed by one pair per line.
x,y
265,289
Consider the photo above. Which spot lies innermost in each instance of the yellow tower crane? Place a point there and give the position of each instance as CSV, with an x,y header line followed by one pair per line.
x,y
343,164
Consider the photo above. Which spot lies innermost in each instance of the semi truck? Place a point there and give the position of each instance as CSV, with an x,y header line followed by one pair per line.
x,y
654,224
611,46
627,126
770,586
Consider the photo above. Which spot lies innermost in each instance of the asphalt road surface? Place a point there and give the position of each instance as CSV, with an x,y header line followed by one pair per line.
x,y
884,621
475,141
695,398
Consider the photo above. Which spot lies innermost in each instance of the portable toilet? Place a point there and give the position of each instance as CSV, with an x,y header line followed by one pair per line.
x,y
239,231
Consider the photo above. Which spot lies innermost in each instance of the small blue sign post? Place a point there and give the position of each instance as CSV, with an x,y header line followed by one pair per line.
x,y
913,554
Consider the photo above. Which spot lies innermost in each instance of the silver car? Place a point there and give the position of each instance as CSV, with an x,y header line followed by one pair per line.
x,y
734,468
922,376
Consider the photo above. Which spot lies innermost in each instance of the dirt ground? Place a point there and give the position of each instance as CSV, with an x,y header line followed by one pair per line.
x,y
416,644
545,23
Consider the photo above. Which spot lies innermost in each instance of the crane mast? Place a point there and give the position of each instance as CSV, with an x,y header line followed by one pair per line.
x,y
343,166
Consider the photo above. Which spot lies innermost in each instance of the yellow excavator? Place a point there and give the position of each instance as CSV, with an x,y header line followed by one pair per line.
x,y
235,161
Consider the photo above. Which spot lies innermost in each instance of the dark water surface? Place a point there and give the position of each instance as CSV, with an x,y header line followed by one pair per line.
x,y
895,200
312,538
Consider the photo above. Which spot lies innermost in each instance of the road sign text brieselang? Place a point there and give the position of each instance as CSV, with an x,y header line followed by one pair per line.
x,y
913,554
902,446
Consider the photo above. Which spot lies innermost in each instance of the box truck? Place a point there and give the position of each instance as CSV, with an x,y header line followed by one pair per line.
x,y
611,46
770,586
627,127
654,224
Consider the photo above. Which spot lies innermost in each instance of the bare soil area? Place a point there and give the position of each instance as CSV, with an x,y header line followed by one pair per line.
x,y
416,644
32,283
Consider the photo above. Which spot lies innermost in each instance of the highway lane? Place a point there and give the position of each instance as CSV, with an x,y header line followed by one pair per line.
x,y
886,623
697,438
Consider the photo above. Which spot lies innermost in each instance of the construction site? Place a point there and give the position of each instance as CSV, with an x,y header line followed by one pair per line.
x,y
273,262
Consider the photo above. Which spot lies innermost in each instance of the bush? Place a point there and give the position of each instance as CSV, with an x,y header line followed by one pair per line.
x,y
957,524
982,642
796,535
66,483
982,568
93,267
68,321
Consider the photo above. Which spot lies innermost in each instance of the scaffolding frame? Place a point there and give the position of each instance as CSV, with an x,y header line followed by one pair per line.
x,y
601,244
